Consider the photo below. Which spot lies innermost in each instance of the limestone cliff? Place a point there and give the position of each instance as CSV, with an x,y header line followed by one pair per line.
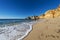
x,y
51,13
48,14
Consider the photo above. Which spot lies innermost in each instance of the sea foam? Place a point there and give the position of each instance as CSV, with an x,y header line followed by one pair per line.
x,y
15,32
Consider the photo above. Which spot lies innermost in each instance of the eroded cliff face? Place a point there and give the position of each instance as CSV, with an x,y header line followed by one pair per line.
x,y
48,14
51,13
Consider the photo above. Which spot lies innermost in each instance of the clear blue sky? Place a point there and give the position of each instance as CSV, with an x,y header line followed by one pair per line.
x,y
24,8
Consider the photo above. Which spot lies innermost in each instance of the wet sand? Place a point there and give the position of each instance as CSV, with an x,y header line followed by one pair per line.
x,y
46,30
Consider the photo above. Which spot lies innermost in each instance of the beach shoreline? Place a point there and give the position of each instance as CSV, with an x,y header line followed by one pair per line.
x,y
16,31
27,33
46,30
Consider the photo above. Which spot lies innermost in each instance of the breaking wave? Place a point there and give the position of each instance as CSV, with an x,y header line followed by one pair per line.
x,y
15,32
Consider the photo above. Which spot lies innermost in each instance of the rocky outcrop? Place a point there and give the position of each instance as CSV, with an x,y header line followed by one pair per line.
x,y
51,13
32,17
48,14
42,16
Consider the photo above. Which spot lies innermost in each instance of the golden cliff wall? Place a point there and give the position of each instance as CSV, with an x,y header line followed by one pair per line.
x,y
48,14
51,13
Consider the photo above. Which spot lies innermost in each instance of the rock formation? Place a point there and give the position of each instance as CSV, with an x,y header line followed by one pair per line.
x,y
32,17
52,13
48,14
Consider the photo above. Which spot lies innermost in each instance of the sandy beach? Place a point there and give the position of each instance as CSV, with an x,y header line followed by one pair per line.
x,y
49,29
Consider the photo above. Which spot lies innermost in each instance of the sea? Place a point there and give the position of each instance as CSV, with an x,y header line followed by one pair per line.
x,y
15,29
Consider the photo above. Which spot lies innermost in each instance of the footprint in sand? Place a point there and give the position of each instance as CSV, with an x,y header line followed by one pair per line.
x,y
52,36
57,36
58,31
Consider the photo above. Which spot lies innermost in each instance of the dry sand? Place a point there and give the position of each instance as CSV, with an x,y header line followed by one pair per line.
x,y
47,30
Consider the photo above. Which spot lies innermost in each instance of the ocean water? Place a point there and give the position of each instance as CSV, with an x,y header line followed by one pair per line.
x,y
15,29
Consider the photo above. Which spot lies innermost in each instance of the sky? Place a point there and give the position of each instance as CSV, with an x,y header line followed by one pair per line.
x,y
24,8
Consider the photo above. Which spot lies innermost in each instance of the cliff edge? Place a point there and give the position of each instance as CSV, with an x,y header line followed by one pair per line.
x,y
51,13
